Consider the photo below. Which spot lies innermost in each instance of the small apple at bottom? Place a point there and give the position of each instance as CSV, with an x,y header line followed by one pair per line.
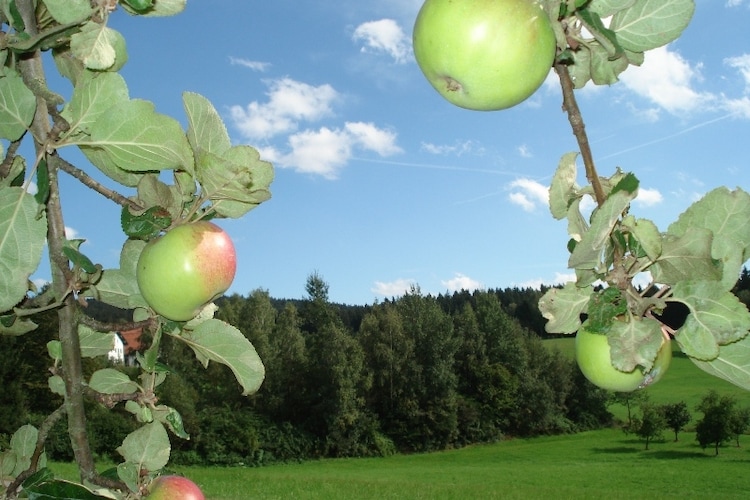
x,y
594,358
190,266
484,54
174,488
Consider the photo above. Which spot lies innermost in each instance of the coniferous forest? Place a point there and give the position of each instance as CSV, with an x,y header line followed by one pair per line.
x,y
417,373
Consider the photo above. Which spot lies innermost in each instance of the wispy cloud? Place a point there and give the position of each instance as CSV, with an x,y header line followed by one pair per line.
x,y
528,194
395,288
384,36
559,279
458,148
253,65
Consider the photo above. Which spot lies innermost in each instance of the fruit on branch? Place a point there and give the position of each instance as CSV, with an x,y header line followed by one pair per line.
x,y
185,269
173,488
594,358
484,55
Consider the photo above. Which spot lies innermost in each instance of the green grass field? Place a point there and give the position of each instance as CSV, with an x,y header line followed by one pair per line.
x,y
592,465
606,464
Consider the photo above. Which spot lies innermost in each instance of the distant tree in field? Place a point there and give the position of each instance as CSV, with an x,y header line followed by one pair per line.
x,y
630,400
650,424
677,416
739,422
715,427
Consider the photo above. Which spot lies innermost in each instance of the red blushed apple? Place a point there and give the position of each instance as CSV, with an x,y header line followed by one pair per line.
x,y
185,269
174,488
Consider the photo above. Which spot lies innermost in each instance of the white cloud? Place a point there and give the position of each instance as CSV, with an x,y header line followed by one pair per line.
x,y
461,282
386,36
528,193
666,79
649,197
325,151
734,3
741,63
394,288
71,233
253,65
559,279
289,102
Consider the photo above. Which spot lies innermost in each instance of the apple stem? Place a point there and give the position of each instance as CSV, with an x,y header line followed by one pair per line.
x,y
570,105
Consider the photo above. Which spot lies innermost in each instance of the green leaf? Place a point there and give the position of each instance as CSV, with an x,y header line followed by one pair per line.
x,y
648,24
716,315
147,447
139,5
153,192
129,473
635,343
727,215
111,381
23,443
56,385
60,489
603,308
562,307
214,340
146,225
563,186
95,343
137,139
160,8
68,11
13,325
647,235
587,254
206,131
605,36
236,182
104,162
606,8
17,106
93,96
23,233
118,287
172,419
77,258
686,257
731,364
94,45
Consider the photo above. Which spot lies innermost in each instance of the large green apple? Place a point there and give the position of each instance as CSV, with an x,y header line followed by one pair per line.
x,y
484,55
174,488
593,357
185,269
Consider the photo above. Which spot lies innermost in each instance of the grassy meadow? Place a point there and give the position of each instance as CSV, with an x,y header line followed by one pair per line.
x,y
605,464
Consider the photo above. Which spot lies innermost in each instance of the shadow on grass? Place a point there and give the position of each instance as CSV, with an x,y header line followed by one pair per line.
x,y
617,449
675,454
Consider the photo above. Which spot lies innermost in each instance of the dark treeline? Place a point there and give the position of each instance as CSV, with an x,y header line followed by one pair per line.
x,y
411,374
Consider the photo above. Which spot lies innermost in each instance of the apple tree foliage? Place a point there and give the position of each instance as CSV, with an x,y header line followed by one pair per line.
x,y
695,261
160,174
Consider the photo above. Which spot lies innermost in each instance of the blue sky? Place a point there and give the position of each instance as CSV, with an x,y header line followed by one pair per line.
x,y
380,183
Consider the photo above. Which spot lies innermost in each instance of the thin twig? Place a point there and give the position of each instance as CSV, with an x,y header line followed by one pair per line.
x,y
90,182
579,130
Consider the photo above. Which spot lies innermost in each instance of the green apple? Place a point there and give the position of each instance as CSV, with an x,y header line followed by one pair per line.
x,y
174,488
594,359
185,269
484,55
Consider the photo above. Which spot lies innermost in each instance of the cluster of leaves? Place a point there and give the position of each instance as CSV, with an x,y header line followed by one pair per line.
x,y
598,53
695,262
133,145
